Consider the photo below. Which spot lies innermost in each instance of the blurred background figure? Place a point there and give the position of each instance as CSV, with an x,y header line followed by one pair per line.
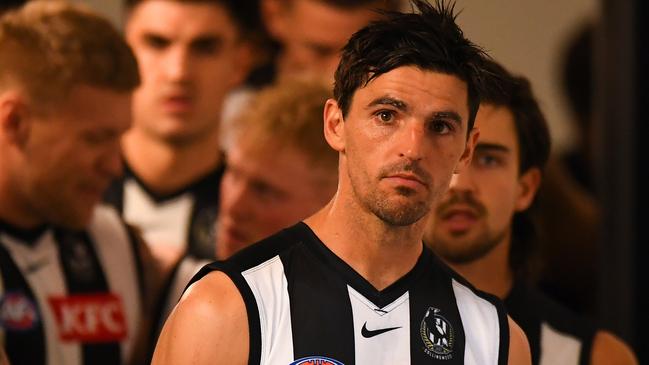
x,y
304,39
569,242
190,54
279,170
483,230
311,33
577,84
74,287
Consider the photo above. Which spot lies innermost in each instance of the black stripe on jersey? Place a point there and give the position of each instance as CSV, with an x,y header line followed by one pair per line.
x,y
503,352
435,290
380,298
254,323
201,233
503,357
84,275
529,308
29,236
324,329
21,346
137,243
114,195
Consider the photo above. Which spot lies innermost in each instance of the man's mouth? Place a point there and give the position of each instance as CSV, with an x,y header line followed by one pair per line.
x,y
459,219
408,180
179,103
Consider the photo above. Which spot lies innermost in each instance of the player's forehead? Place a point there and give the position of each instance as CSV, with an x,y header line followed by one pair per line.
x,y
82,109
181,20
327,22
414,89
496,125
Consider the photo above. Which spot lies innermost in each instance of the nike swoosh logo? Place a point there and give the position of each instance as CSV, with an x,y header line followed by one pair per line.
x,y
32,267
371,333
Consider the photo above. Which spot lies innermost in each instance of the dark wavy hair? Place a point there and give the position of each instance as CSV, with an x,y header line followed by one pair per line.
x,y
428,39
244,13
515,93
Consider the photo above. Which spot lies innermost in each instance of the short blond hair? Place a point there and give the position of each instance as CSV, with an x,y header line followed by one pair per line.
x,y
48,47
287,114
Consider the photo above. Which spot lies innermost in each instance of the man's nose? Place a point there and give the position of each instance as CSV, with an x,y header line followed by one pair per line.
x,y
412,141
177,64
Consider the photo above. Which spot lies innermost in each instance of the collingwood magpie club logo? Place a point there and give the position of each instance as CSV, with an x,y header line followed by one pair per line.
x,y
437,334
316,360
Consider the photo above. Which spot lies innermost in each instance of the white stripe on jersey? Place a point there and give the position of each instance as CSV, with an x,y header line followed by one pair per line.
x,y
558,348
483,339
43,272
40,264
161,223
395,315
114,249
270,288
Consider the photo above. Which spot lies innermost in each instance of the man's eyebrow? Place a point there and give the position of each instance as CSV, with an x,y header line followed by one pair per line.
x,y
491,147
447,115
387,100
207,38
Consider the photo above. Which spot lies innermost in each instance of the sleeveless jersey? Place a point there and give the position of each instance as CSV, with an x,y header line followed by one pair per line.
x,y
184,219
70,297
307,306
556,335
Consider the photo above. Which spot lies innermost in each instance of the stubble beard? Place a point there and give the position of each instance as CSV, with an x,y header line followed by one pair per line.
x,y
460,249
393,213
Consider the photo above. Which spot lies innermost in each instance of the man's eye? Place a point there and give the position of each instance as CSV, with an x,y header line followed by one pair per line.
x,y
441,127
488,161
385,116
156,42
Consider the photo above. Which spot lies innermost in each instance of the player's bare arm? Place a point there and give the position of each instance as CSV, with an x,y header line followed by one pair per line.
x,y
208,326
610,350
519,347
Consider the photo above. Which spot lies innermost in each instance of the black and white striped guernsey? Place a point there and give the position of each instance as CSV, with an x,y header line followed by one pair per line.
x,y
70,297
307,306
183,219
556,335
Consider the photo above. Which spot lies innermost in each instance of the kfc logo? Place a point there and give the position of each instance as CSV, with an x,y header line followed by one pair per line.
x,y
90,318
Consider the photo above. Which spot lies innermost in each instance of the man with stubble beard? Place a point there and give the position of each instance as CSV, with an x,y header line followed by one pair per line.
x,y
353,283
482,228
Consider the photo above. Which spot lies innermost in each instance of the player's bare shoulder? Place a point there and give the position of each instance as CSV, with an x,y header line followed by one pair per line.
x,y
519,348
208,326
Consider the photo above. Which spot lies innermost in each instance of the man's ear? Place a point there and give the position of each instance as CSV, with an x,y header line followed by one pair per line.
x,y
334,125
528,185
467,155
14,124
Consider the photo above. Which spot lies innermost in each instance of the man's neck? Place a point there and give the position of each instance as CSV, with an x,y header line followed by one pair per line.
x,y
12,209
379,252
166,168
490,273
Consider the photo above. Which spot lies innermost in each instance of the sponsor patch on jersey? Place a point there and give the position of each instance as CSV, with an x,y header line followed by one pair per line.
x,y
89,318
437,334
316,360
17,312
